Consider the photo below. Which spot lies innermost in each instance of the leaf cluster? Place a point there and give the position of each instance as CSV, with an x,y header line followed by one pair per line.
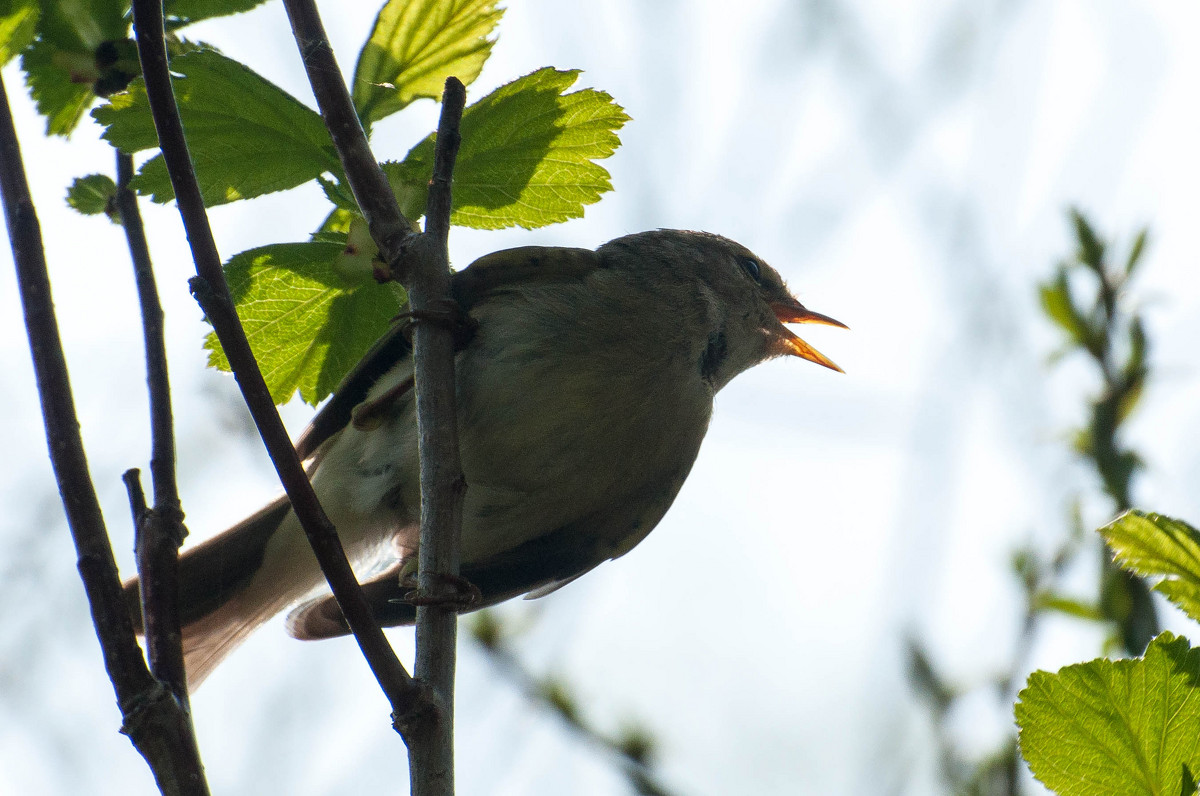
x,y
312,308
73,51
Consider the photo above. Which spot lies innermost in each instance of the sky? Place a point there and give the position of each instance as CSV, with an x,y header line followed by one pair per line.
x,y
906,167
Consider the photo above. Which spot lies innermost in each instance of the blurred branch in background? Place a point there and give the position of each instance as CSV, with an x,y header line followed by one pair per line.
x,y
632,748
1086,299
1114,339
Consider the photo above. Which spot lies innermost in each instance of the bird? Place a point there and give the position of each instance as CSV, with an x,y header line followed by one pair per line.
x,y
585,382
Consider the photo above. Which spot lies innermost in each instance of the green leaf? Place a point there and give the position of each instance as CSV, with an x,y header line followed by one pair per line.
x,y
1125,727
60,83
335,226
83,25
18,25
1136,251
1154,545
486,628
1090,248
415,45
527,154
558,696
1048,601
1060,308
61,66
339,195
93,194
636,742
925,680
1134,371
118,64
308,321
410,189
185,12
247,137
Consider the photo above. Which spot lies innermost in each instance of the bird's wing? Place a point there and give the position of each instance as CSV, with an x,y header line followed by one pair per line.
x,y
331,418
511,268
486,276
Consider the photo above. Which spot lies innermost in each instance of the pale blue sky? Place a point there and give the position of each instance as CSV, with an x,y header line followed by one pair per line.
x,y
906,167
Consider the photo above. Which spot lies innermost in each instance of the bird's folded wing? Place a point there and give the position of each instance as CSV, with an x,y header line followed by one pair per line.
x,y
511,268
491,273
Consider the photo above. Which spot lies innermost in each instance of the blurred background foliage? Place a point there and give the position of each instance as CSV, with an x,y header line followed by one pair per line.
x,y
1090,300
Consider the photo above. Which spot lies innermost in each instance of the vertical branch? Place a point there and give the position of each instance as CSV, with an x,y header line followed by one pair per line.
x,y
442,484
160,531
212,292
154,720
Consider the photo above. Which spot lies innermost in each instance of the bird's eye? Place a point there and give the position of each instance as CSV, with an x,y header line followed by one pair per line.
x,y
750,266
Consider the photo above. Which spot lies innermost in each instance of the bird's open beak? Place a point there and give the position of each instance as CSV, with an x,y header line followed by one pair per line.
x,y
792,311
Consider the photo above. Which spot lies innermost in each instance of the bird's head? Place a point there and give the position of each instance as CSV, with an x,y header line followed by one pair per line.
x,y
745,301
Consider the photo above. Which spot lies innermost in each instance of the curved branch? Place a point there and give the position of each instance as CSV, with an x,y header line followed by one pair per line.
x,y
156,723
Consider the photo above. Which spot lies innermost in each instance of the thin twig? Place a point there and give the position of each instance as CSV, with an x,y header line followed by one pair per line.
x,y
162,461
137,496
634,764
152,718
159,531
212,292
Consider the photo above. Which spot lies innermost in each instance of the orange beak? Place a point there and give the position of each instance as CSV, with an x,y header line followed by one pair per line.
x,y
792,311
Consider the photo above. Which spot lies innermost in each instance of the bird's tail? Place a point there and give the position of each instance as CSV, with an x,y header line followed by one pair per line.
x,y
228,587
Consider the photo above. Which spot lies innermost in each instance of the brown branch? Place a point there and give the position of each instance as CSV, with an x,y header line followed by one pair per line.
x,y
212,292
159,531
157,555
421,263
153,719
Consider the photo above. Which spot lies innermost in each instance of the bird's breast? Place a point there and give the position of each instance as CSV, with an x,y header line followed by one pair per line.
x,y
565,413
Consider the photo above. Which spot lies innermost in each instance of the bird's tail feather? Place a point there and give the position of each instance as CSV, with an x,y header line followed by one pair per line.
x,y
224,593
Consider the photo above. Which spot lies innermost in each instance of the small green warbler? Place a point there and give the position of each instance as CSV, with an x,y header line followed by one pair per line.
x,y
584,391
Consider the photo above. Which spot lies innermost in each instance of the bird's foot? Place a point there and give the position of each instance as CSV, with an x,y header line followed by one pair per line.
x,y
447,314
453,592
